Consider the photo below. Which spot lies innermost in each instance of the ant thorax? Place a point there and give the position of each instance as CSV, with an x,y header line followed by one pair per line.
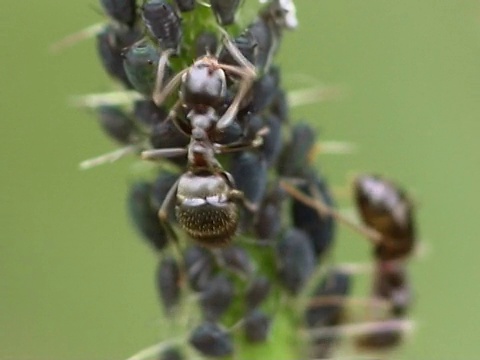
x,y
204,84
202,118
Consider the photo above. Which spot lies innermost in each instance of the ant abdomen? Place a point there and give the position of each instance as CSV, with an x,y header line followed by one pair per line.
x,y
204,209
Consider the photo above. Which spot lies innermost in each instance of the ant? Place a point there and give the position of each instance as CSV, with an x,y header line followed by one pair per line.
x,y
205,195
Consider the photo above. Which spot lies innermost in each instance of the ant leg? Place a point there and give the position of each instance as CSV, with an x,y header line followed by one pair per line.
x,y
243,145
168,202
248,78
162,64
160,154
237,54
172,116
323,209
159,95
108,157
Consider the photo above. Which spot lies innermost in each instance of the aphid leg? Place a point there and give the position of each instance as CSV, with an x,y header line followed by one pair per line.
x,y
160,154
74,38
159,95
108,157
323,209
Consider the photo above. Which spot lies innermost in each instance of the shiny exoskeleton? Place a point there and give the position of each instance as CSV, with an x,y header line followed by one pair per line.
x,y
205,195
204,88
386,208
225,10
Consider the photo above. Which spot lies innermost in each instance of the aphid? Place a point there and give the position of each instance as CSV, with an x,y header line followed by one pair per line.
x,y
257,292
117,124
123,11
141,63
296,157
168,283
387,209
264,91
205,43
211,340
148,114
380,339
257,326
272,141
217,297
321,229
237,259
268,222
296,260
325,309
199,265
185,5
110,44
225,10
327,300
264,34
163,24
171,354
249,169
144,215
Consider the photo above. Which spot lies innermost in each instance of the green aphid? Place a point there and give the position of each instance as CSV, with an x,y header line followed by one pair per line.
x,y
141,64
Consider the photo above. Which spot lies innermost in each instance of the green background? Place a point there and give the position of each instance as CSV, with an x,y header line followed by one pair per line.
x,y
75,281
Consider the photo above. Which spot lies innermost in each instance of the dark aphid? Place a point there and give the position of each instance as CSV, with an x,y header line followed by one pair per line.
x,y
392,284
325,309
272,142
168,283
237,259
382,339
245,44
205,43
144,215
268,222
148,114
280,107
211,340
160,187
387,209
257,326
166,135
327,300
199,265
171,354
185,5
321,229
249,169
225,10
141,63
257,292
233,133
264,91
117,124
217,297
163,23
123,11
110,44
295,159
296,260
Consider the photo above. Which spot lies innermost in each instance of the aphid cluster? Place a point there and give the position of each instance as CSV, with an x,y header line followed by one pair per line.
x,y
240,217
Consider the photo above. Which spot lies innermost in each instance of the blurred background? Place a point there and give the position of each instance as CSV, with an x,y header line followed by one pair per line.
x,y
76,282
